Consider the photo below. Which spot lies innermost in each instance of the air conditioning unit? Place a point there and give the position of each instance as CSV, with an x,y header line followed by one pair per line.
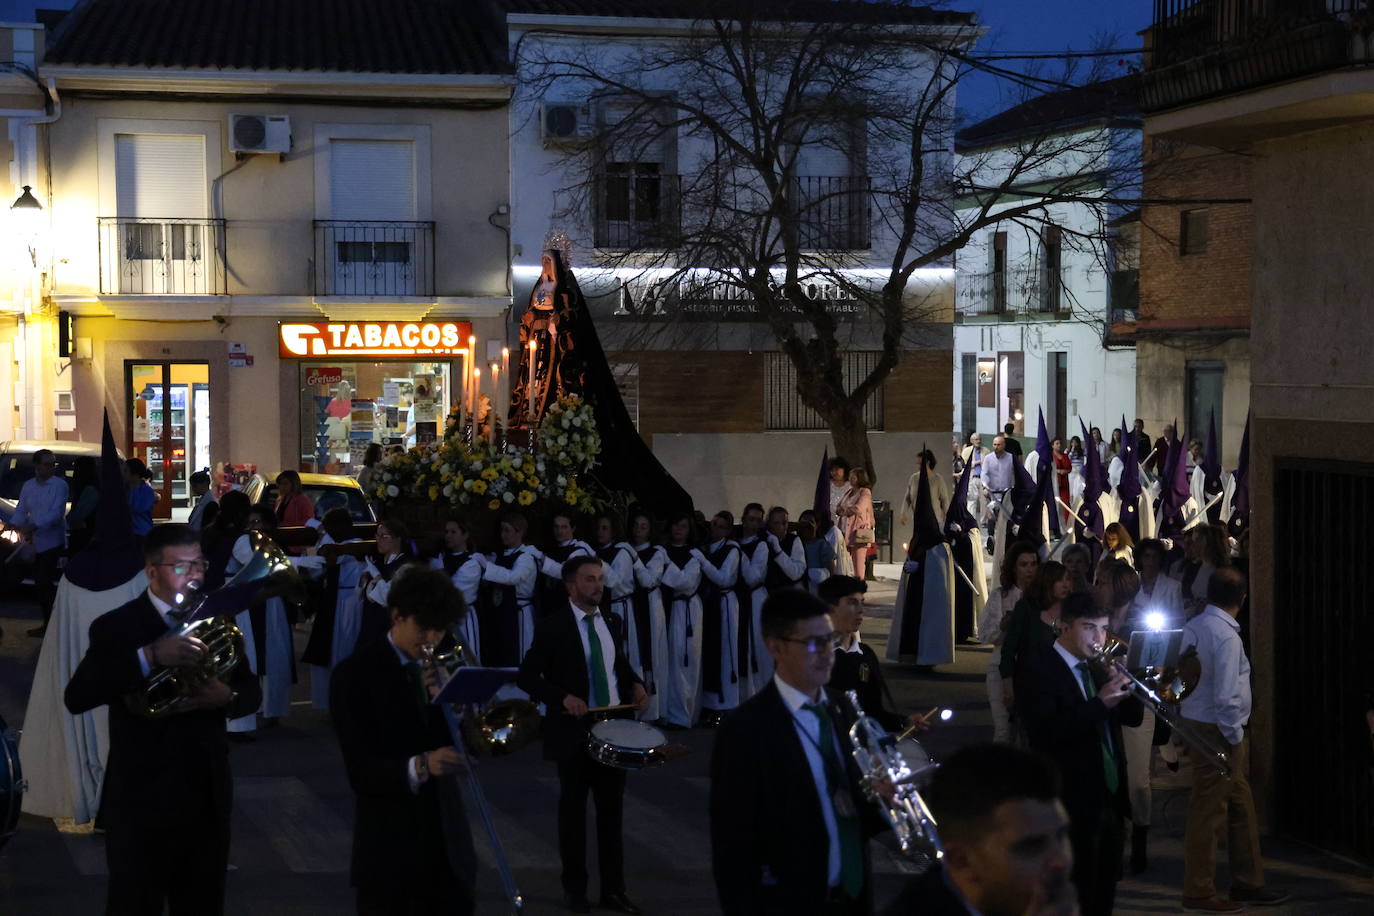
x,y
259,134
565,123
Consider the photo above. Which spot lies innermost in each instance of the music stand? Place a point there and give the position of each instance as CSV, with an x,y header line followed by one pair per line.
x,y
1158,649
471,688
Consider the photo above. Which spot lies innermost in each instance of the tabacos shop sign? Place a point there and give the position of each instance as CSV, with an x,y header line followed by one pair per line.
x,y
374,338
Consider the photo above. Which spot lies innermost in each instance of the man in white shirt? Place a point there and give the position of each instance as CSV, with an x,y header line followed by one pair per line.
x,y
999,476
41,519
1219,708
789,823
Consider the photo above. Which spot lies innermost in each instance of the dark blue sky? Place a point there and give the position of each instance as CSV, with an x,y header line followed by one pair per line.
x,y
1053,26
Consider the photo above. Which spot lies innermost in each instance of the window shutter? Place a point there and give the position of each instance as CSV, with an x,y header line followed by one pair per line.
x,y
160,176
372,180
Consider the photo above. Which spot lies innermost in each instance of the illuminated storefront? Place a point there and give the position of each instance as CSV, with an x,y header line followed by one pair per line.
x,y
362,382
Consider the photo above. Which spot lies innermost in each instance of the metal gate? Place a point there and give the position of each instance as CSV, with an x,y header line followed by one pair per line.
x,y
1324,655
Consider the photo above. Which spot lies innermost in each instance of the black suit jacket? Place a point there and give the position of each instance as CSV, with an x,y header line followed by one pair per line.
x,y
928,894
157,768
1065,727
556,666
769,847
399,837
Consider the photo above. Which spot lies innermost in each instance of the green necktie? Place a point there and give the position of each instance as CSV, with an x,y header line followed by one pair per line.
x,y
601,691
851,843
417,682
1108,761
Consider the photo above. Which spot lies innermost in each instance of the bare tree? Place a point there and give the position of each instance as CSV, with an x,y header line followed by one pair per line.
x,y
752,164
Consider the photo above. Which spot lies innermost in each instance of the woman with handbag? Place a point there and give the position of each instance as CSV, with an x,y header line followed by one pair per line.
x,y
856,508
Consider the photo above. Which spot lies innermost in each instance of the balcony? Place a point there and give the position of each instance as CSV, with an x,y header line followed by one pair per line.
x,y
637,207
835,213
161,257
1202,49
374,258
1014,294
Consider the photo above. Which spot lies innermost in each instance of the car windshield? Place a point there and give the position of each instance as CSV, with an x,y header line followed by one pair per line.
x,y
17,467
324,498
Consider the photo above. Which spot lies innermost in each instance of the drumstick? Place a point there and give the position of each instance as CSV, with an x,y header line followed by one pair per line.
x,y
611,708
912,728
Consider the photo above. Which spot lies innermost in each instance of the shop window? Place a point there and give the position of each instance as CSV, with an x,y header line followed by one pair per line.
x,y
1192,234
347,406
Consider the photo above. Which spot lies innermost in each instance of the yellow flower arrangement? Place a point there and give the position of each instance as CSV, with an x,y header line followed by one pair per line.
x,y
525,498
494,505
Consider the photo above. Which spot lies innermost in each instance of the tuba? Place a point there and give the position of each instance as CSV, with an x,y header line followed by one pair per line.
x,y
1162,689
875,752
267,574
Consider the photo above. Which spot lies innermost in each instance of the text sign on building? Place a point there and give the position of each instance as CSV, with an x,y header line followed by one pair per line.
x,y
374,338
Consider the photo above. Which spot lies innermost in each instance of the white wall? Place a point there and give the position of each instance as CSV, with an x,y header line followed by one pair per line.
x,y
724,471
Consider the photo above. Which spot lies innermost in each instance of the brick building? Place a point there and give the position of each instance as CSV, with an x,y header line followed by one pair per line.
x,y
1277,100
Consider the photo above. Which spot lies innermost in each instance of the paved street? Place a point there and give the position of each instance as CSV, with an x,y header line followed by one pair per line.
x,y
293,810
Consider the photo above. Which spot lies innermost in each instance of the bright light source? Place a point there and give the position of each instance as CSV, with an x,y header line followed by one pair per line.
x,y
946,715
1154,620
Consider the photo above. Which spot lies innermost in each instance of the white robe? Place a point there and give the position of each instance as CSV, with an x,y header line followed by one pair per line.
x,y
724,578
650,576
63,756
680,681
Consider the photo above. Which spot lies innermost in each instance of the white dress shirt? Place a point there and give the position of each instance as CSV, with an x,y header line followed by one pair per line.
x,y
998,472
603,633
44,506
809,734
1222,695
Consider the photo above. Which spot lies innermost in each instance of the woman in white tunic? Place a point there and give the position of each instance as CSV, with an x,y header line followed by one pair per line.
x,y
646,624
681,677
465,569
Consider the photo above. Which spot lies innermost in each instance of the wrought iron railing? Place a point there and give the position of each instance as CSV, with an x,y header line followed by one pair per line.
x,y
834,213
637,206
1027,290
374,258
1204,48
165,257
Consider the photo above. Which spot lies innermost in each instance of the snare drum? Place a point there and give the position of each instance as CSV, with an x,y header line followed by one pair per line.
x,y
11,783
625,744
921,764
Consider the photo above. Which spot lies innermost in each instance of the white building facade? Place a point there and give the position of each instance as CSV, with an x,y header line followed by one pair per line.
x,y
1036,294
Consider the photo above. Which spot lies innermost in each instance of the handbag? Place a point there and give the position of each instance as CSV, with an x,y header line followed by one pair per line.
x,y
862,535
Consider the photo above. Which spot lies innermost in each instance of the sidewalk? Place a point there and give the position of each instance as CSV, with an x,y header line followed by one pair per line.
x,y
1320,883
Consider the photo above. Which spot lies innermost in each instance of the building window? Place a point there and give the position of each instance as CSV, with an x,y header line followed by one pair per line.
x,y
997,267
635,188
348,405
968,394
1192,231
1051,270
1206,384
783,408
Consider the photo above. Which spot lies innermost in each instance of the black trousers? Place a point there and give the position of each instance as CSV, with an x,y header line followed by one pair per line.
x,y
1097,838
178,861
45,580
576,777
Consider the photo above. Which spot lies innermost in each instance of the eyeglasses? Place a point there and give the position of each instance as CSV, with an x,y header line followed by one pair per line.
x,y
186,566
815,644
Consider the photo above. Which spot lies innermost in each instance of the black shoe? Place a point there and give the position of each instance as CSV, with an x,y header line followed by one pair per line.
x,y
39,631
578,903
619,903
1258,896
1139,860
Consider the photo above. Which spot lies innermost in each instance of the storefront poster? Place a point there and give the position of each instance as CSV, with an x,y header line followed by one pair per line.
x,y
391,393
426,433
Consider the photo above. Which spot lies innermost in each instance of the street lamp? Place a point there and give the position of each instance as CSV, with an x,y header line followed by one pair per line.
x,y
27,215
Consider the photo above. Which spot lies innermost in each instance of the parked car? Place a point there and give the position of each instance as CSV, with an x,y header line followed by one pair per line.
x,y
16,467
326,491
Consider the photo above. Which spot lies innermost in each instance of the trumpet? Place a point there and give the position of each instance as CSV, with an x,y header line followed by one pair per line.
x,y
875,752
169,688
1162,689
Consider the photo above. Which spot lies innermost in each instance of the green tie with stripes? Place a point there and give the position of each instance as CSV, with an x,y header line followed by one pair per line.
x,y
601,690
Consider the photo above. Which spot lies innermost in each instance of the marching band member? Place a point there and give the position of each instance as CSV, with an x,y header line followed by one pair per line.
x,y
552,594
167,789
576,662
680,678
334,631
722,656
646,625
465,569
751,591
789,824
506,599
412,850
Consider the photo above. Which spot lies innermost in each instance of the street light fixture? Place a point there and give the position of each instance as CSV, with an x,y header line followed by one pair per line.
x,y
27,214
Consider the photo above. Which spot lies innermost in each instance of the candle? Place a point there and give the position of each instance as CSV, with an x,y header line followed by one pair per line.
x,y
476,402
505,374
534,347
462,389
495,387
